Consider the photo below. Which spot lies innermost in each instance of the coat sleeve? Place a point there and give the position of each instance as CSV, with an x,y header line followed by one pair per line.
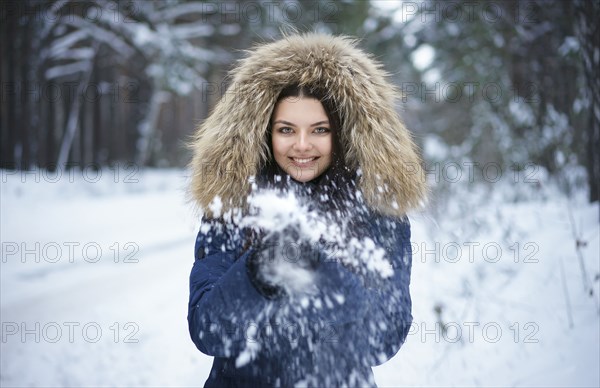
x,y
389,314
223,303
371,316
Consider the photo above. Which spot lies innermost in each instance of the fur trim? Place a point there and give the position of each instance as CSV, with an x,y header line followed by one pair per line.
x,y
229,146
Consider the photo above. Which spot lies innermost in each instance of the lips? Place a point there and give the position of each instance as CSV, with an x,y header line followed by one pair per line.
x,y
303,162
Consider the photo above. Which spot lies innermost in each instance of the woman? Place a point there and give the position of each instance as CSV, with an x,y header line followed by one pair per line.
x,y
314,116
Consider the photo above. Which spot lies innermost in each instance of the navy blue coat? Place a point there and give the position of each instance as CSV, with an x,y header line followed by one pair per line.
x,y
330,338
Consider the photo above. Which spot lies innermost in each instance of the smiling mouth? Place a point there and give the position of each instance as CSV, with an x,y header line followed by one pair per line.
x,y
303,162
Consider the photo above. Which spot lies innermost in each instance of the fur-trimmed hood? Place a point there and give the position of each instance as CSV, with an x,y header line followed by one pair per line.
x,y
230,147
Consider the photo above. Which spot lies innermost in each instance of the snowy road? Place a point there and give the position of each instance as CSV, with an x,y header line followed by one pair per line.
x,y
81,318
94,288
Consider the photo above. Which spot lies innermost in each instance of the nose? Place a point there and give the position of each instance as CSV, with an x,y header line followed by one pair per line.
x,y
302,142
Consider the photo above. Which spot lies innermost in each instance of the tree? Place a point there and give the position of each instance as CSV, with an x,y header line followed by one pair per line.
x,y
588,14
505,83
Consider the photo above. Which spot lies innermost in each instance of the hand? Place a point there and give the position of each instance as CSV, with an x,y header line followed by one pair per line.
x,y
282,262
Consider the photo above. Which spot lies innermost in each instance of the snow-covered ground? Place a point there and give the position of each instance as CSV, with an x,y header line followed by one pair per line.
x,y
94,286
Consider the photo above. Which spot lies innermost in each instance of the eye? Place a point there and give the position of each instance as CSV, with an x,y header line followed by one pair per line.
x,y
285,130
322,130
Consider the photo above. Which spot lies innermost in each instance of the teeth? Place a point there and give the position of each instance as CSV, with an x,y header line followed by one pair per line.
x,y
303,160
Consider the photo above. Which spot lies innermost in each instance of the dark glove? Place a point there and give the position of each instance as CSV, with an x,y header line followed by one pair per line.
x,y
286,249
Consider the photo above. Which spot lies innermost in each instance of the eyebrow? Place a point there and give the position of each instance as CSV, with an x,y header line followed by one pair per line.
x,y
293,125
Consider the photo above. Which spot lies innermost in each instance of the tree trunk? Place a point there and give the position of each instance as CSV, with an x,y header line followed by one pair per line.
x,y
589,38
74,115
147,128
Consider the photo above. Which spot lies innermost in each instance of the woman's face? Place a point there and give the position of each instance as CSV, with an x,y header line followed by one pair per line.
x,y
302,138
